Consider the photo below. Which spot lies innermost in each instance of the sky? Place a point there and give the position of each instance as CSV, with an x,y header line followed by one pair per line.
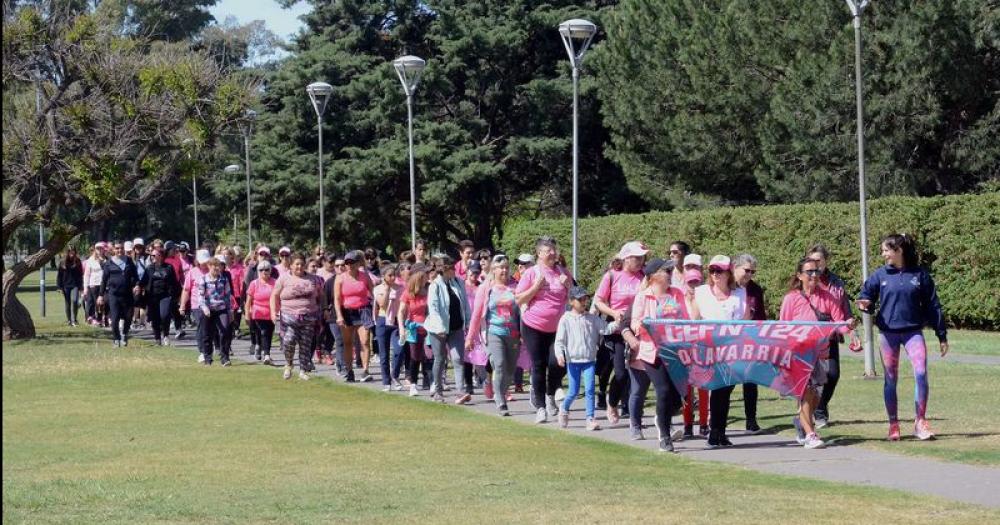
x,y
283,22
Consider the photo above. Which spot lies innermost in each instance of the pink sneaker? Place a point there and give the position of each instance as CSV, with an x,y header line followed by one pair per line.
x,y
488,390
894,431
922,430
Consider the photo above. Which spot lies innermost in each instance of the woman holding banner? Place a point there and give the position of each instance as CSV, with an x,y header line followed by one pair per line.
x,y
806,300
719,300
907,301
658,301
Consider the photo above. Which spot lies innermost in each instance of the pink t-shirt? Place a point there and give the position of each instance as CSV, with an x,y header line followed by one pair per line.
x,y
298,294
416,307
796,306
460,269
544,309
237,271
354,292
193,287
648,306
618,288
259,293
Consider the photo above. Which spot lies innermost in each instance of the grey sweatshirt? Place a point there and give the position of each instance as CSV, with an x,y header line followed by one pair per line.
x,y
578,335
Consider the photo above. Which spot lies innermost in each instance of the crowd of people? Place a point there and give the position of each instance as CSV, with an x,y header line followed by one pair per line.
x,y
493,319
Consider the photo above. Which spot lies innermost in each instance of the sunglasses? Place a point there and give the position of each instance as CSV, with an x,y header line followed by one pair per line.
x,y
750,271
268,270
340,265
716,271
484,258
811,273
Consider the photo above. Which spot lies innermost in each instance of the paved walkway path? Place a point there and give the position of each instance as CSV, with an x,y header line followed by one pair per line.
x,y
767,452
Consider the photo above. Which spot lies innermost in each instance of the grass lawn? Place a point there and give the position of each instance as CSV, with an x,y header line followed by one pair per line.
x,y
962,411
141,435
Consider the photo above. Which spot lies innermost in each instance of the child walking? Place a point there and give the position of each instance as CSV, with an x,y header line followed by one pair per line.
x,y
576,349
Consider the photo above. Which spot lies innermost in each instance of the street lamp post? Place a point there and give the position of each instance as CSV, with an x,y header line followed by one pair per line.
x,y
857,8
576,36
319,94
246,127
409,68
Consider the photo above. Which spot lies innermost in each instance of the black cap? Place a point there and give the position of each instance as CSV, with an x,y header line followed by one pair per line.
x,y
578,292
355,256
475,267
656,265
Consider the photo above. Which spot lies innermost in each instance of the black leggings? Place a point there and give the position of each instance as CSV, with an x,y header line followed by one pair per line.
x,y
668,399
546,374
159,315
619,386
750,401
832,377
119,308
719,410
262,330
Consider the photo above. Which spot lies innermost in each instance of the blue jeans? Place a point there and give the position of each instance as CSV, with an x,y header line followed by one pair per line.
x,y
574,371
385,336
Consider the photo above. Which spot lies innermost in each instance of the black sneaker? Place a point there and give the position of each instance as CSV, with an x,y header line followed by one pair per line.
x,y
688,431
713,442
724,442
602,403
704,431
666,445
226,363
350,377
752,426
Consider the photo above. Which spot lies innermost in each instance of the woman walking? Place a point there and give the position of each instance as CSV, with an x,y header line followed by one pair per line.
x,y
217,309
830,282
542,294
497,313
159,285
807,301
410,320
258,311
352,292
69,280
614,299
93,273
387,295
659,300
719,300
907,300
744,270
447,319
295,303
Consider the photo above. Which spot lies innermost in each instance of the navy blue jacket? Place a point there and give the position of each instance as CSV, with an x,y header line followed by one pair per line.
x,y
907,300
118,282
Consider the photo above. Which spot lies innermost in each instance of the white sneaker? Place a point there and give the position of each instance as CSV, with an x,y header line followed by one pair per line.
x,y
434,387
396,385
303,375
201,357
551,407
560,394
813,441
288,372
564,420
540,416
387,388
413,391
267,359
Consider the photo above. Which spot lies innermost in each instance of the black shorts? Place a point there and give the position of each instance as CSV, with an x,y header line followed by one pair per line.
x,y
359,317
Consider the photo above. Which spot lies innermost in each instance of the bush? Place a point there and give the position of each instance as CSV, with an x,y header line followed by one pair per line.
x,y
958,238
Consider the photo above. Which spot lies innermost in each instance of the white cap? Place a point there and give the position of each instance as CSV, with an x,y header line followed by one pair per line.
x,y
221,258
525,258
284,250
720,261
633,249
138,242
128,246
202,256
692,258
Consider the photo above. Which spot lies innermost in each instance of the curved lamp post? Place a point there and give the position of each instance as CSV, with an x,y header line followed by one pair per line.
x,y
576,37
319,95
409,68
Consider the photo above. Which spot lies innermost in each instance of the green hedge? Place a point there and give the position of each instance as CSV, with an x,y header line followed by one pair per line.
x,y
958,238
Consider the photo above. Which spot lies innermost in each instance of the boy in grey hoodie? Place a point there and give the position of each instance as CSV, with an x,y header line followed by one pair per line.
x,y
576,349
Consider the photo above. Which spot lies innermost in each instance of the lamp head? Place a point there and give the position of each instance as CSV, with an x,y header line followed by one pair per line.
x,y
409,69
576,36
232,168
319,94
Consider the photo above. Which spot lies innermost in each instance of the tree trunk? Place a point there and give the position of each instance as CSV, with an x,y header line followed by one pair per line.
x,y
17,322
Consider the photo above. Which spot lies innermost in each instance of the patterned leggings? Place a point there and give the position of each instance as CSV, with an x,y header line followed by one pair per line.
x,y
299,331
915,347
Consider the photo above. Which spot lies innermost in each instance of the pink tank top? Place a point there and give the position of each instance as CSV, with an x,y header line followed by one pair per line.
x,y
298,295
354,292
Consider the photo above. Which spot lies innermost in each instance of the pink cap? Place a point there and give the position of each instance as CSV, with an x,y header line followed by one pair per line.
x,y
285,250
692,276
633,249
719,261
264,250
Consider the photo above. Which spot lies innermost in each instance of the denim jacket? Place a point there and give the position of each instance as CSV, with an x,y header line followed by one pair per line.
x,y
438,302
